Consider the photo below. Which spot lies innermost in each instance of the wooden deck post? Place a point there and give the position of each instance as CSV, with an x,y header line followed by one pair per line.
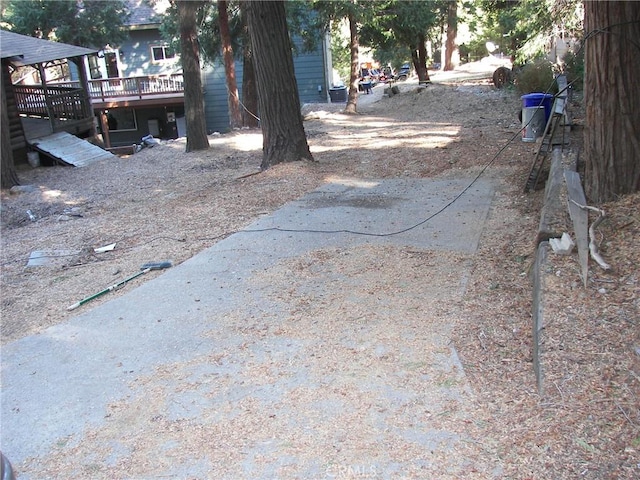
x,y
50,112
104,126
86,99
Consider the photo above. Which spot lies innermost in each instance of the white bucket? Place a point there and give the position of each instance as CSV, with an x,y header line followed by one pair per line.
x,y
34,159
533,123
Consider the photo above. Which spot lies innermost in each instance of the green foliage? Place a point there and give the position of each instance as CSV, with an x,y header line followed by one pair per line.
x,y
301,21
91,23
304,24
208,30
536,76
573,68
329,11
394,55
522,28
395,27
474,50
331,16
341,57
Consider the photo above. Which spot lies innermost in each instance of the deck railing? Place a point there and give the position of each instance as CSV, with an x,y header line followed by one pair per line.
x,y
140,87
64,101
105,89
59,103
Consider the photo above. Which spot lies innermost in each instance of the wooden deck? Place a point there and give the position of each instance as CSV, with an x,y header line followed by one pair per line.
x,y
64,107
141,91
138,101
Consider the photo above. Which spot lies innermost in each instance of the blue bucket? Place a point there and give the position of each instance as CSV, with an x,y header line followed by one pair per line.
x,y
539,100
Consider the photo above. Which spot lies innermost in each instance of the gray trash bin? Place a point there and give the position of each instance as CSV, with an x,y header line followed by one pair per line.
x,y
533,123
338,94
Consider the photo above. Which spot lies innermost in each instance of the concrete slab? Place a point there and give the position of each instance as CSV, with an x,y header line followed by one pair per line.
x,y
227,342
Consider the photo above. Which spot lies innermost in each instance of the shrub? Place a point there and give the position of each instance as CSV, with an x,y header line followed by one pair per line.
x,y
536,76
573,68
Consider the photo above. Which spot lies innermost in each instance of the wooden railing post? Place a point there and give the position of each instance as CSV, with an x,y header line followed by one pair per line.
x,y
86,110
104,127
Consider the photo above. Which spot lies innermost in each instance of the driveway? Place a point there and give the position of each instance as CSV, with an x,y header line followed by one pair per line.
x,y
315,343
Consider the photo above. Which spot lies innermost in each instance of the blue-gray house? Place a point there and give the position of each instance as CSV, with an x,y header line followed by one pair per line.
x,y
137,88
311,75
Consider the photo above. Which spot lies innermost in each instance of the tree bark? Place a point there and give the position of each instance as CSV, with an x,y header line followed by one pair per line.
x,y
190,56
249,88
612,99
249,91
452,32
354,46
421,66
283,134
8,175
235,115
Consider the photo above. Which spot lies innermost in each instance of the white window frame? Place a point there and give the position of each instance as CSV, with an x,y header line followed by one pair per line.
x,y
164,58
128,112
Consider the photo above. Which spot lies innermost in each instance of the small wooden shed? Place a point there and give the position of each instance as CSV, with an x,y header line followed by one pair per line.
x,y
40,110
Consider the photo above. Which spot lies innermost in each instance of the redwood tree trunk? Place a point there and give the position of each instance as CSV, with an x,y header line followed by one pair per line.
x,y
190,56
249,88
612,99
452,32
354,45
235,115
284,139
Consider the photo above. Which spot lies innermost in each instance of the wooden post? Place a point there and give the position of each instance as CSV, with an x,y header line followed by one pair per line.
x,y
87,108
104,126
580,218
43,81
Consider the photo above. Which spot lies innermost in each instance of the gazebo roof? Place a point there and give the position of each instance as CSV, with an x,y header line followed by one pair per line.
x,y
21,50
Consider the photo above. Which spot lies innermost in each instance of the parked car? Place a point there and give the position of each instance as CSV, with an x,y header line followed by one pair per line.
x,y
404,72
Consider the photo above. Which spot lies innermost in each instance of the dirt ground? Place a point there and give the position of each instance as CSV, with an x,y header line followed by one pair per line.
x,y
164,204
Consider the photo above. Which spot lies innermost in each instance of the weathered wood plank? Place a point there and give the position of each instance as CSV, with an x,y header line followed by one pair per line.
x,y
553,217
537,316
580,218
70,149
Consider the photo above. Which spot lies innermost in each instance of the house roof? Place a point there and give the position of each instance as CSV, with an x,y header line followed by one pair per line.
x,y
23,50
146,13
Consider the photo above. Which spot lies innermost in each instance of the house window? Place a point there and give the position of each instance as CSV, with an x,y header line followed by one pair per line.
x,y
120,119
162,53
94,67
111,61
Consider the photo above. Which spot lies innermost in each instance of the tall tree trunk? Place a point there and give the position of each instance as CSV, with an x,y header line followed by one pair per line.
x,y
420,61
249,90
249,87
612,99
190,56
235,115
452,32
354,46
8,175
284,139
